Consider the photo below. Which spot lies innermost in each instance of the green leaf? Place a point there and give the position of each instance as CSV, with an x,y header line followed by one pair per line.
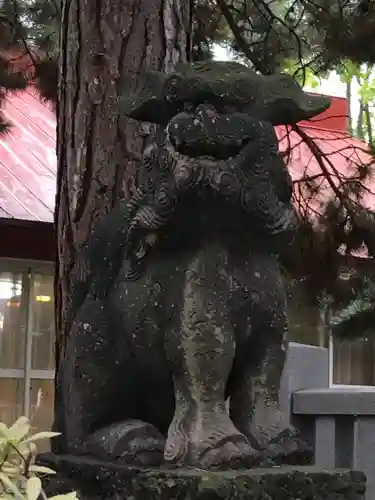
x,y
33,488
67,496
39,436
11,470
349,70
8,484
4,431
367,91
40,469
314,83
19,429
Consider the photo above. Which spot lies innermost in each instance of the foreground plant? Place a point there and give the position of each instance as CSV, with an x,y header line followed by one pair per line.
x,y
19,474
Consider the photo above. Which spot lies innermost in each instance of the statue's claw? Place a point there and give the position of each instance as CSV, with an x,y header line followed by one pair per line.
x,y
131,442
210,441
233,452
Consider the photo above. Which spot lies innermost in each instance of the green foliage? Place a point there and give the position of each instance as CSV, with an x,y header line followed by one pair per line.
x,y
270,34
348,70
19,474
366,90
10,80
4,126
304,75
358,317
29,31
362,76
46,76
317,33
209,27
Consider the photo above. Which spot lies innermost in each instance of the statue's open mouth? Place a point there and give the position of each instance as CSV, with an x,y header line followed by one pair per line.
x,y
219,151
206,132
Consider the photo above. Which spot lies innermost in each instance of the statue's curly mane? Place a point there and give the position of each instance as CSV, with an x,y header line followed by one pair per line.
x,y
255,180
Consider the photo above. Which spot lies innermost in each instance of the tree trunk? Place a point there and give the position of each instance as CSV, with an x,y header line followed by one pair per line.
x,y
368,121
360,133
105,45
349,100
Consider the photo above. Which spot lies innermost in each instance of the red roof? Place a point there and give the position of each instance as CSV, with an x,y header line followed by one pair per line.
x,y
343,155
28,160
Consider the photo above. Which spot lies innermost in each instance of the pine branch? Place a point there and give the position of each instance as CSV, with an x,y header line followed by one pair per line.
x,y
358,317
4,125
238,35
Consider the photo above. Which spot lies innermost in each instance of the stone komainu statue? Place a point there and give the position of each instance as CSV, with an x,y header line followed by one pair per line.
x,y
184,305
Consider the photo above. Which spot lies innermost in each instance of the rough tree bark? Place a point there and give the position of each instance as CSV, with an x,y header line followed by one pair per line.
x,y
104,45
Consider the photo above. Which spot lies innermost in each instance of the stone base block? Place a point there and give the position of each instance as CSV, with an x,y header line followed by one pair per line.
x,y
94,480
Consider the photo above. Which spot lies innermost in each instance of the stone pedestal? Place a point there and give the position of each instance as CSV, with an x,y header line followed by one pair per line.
x,y
94,480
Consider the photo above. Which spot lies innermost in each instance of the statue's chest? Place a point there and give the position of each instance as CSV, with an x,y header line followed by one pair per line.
x,y
211,277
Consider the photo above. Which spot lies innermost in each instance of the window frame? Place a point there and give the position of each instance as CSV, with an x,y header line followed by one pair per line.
x,y
28,269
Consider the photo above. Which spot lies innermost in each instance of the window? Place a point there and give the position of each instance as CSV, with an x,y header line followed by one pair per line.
x,y
27,339
305,324
353,356
352,361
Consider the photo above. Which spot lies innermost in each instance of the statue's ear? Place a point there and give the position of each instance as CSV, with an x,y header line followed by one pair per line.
x,y
147,104
288,104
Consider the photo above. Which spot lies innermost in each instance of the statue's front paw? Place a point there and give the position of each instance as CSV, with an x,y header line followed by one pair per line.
x,y
209,441
132,442
232,452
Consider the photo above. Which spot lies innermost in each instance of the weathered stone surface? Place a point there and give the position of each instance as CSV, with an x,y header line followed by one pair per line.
x,y
99,480
209,133
183,307
229,86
